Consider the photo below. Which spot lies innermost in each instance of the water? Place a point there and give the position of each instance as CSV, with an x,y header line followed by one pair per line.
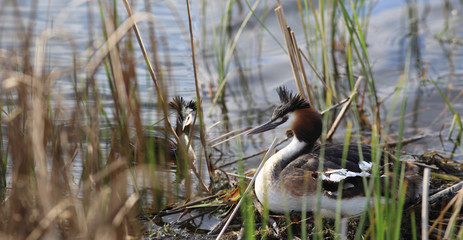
x,y
260,66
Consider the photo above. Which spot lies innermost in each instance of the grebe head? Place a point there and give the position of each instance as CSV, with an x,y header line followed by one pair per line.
x,y
185,113
305,121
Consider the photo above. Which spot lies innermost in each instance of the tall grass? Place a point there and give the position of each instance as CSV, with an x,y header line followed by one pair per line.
x,y
73,168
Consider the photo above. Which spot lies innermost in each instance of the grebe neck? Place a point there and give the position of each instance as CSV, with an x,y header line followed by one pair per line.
x,y
185,142
282,158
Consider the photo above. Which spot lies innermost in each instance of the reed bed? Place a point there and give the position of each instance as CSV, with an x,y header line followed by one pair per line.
x,y
74,166
71,166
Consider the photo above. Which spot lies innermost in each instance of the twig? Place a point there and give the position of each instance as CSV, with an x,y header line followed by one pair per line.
x,y
244,131
410,140
165,213
47,221
200,179
125,209
334,106
452,189
251,156
314,70
227,135
425,205
247,189
344,225
423,165
194,202
241,159
237,175
344,109
181,223
182,208
440,194
453,218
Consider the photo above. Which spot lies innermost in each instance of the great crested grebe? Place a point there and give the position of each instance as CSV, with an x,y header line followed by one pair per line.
x,y
165,149
290,176
185,114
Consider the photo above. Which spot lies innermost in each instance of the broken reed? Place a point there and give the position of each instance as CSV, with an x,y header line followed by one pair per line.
x,y
76,165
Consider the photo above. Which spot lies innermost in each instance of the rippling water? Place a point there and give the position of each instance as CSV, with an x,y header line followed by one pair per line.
x,y
260,64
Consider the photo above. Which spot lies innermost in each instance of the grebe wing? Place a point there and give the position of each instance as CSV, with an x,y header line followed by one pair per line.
x,y
300,178
301,175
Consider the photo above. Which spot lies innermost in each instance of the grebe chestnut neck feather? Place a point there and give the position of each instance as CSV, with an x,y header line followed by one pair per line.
x,y
290,176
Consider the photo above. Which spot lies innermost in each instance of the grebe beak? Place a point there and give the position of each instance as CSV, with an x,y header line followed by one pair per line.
x,y
268,125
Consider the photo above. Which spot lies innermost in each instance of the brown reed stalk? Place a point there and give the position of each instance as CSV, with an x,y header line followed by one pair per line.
x,y
151,70
337,121
202,131
291,46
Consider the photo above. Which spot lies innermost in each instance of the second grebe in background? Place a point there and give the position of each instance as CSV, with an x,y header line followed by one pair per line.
x,y
165,149
185,115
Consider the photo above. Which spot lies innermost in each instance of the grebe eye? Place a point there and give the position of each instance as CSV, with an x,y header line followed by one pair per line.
x,y
282,119
188,120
